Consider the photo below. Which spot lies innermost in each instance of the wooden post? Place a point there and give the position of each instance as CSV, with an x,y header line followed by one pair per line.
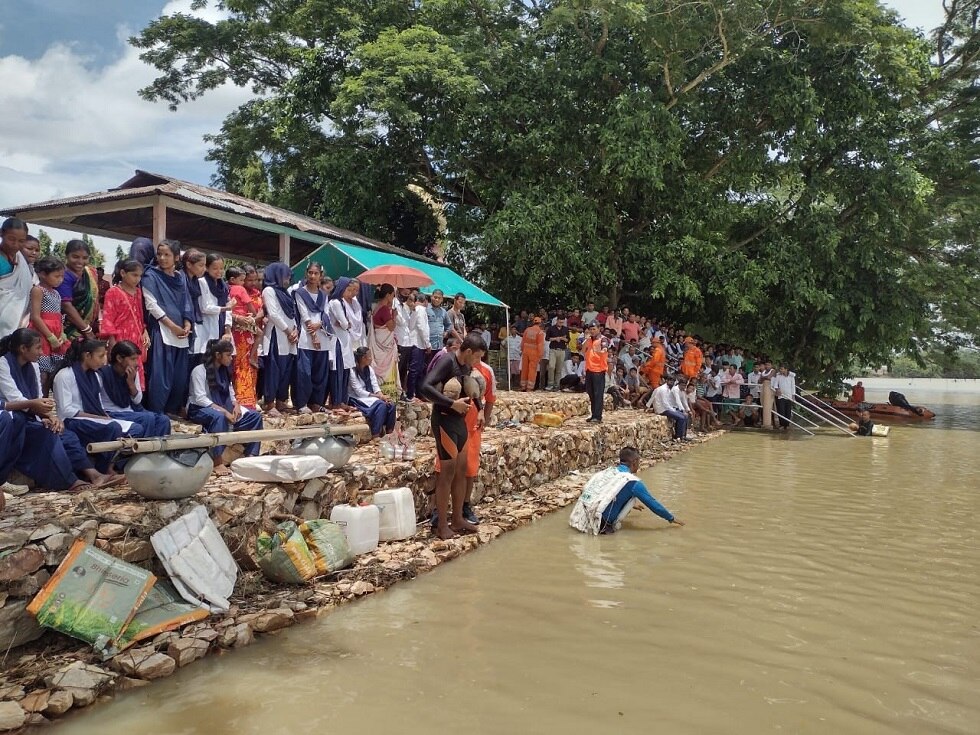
x,y
159,221
284,247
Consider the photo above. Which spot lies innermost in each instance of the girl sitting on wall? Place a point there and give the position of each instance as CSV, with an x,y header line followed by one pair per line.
x,y
213,404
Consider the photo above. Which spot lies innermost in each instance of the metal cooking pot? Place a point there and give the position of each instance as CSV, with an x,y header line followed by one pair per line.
x,y
169,475
337,450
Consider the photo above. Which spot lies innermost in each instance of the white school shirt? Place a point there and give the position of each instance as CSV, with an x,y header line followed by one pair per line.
x,y
107,403
305,315
753,383
199,393
404,319
8,388
357,390
277,324
342,319
154,309
210,324
68,401
784,385
357,332
419,328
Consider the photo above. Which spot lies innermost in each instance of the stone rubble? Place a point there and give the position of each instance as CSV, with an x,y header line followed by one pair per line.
x,y
526,473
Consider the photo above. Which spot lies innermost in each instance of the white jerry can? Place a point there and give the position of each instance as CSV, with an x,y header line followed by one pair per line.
x,y
361,524
397,513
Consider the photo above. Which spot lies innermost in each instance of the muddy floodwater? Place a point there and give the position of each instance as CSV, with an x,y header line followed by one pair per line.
x,y
822,585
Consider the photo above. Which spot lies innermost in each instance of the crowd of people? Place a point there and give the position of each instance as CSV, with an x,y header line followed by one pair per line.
x,y
647,363
179,335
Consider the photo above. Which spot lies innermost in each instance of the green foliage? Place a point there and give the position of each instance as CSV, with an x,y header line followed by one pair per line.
x,y
958,364
57,249
802,175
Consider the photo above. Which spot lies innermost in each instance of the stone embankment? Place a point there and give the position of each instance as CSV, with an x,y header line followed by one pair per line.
x,y
525,473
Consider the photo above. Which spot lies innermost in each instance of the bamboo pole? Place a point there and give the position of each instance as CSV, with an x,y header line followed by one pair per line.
x,y
170,444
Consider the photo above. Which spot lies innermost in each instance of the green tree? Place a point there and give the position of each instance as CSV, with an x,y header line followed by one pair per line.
x,y
799,175
57,249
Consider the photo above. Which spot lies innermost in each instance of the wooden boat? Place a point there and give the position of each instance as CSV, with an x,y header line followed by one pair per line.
x,y
883,410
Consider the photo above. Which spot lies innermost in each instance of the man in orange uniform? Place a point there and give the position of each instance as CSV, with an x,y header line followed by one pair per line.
x,y
532,352
653,370
596,351
693,361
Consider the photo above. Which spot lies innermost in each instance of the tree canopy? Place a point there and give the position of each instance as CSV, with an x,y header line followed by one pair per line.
x,y
801,175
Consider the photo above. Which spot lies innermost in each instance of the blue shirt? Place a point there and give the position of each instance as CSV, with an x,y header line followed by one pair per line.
x,y
439,324
634,489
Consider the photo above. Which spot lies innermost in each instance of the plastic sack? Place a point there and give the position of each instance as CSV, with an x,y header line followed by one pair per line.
x,y
327,544
549,420
284,556
288,468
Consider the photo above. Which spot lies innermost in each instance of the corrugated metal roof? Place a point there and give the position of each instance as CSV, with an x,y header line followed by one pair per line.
x,y
146,183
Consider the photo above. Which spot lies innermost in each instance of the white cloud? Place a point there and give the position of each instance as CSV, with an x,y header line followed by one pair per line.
x,y
70,127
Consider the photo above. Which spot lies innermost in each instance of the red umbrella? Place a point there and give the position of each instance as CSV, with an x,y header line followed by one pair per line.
x,y
399,276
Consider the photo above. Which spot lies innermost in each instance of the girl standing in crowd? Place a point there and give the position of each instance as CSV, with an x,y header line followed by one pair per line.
x,y
381,340
315,343
247,317
279,338
142,251
51,455
122,390
79,291
367,397
16,277
345,316
213,404
193,263
122,312
218,295
46,317
168,302
77,397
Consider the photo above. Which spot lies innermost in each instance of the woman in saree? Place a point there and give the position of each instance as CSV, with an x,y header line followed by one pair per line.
x,y
381,340
248,320
171,316
79,291
16,276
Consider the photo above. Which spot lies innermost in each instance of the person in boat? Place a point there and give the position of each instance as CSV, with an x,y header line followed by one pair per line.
x,y
610,495
51,455
865,425
122,391
78,399
213,405
857,393
897,399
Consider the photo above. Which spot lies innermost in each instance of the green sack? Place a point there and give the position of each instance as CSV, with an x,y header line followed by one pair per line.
x,y
328,545
284,556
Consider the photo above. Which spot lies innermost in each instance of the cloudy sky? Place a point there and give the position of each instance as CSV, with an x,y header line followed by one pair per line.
x,y
72,122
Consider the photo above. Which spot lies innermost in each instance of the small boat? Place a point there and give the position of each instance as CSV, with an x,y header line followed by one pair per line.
x,y
883,410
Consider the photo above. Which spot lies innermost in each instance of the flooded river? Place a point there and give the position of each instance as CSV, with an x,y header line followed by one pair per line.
x,y
822,585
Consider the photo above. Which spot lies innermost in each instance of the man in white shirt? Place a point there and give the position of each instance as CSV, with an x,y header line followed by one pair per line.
x,y
784,387
753,383
514,354
404,316
663,403
574,378
589,315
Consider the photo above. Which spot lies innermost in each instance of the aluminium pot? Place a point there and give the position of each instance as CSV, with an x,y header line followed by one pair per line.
x,y
169,475
337,450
